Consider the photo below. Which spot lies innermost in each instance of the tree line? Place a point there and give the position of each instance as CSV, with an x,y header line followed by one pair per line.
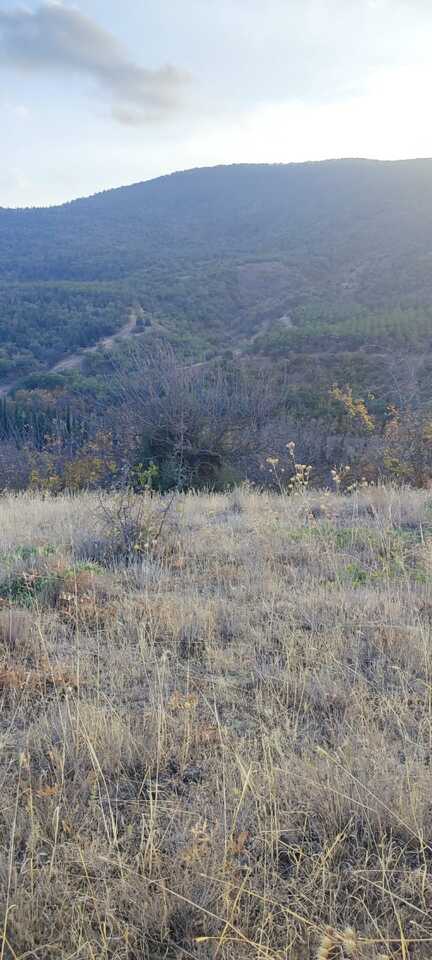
x,y
155,423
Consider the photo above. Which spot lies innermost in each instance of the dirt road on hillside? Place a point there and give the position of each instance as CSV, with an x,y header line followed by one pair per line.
x,y
74,360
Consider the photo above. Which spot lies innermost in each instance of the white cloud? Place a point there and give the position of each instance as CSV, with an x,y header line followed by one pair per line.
x,y
55,37
288,80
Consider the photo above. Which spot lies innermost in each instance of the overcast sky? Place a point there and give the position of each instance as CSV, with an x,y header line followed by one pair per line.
x,y
99,93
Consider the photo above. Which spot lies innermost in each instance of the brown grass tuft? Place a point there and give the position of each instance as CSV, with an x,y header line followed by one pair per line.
x,y
219,748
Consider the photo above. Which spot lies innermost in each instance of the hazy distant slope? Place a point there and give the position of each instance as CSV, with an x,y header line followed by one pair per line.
x,y
220,249
355,206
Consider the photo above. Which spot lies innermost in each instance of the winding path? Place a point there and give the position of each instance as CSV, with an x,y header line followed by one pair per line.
x,y
74,360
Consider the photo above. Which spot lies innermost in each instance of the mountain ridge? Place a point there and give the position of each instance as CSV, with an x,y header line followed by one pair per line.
x,y
215,256
211,168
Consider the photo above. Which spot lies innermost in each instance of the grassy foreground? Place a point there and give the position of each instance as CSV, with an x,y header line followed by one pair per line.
x,y
216,738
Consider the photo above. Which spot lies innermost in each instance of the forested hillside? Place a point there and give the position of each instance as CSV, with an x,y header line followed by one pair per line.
x,y
281,253
255,305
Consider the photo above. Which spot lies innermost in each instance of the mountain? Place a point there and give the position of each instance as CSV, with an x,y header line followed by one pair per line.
x,y
261,258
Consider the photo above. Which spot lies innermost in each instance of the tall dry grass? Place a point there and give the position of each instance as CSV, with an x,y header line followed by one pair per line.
x,y
220,745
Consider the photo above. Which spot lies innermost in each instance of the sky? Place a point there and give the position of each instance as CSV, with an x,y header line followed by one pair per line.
x,y
99,93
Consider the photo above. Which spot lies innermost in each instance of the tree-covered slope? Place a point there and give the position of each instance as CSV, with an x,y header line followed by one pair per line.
x,y
218,255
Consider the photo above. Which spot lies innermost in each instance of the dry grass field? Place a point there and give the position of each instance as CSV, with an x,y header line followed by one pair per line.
x,y
216,737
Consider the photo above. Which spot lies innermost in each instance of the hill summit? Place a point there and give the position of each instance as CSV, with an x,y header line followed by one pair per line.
x,y
215,256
